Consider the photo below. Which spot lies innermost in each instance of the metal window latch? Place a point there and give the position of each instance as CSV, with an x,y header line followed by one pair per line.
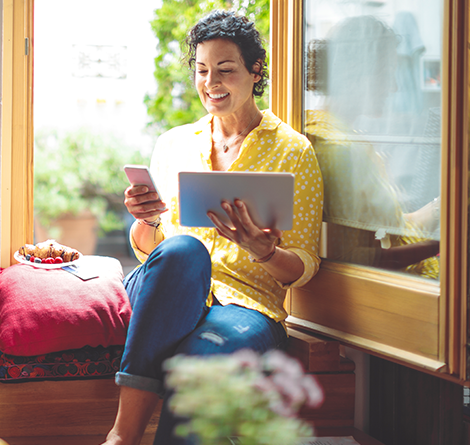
x,y
26,46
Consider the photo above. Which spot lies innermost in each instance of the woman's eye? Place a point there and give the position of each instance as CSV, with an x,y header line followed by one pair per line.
x,y
225,71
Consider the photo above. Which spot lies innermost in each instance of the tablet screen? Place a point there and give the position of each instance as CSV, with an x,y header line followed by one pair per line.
x,y
268,196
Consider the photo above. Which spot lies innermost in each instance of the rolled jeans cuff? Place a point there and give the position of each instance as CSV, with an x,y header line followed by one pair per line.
x,y
138,382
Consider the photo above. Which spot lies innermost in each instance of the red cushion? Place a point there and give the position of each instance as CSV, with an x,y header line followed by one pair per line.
x,y
43,311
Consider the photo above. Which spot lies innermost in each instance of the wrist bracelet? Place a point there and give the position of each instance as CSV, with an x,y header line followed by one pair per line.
x,y
264,259
155,223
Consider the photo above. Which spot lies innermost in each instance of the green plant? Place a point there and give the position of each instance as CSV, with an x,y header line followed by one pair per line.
x,y
241,398
81,171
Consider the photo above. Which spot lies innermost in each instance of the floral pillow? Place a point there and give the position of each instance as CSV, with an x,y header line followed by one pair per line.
x,y
50,310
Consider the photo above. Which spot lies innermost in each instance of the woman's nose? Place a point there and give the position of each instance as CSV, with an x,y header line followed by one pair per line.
x,y
212,79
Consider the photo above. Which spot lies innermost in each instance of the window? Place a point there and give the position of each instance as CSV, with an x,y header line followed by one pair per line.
x,y
420,322
90,119
405,314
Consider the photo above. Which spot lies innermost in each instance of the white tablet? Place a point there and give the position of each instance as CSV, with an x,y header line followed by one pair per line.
x,y
268,196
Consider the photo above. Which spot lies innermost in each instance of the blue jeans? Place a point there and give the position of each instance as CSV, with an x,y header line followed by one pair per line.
x,y
168,295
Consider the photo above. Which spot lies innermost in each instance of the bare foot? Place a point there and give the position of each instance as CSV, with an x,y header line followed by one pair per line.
x,y
114,439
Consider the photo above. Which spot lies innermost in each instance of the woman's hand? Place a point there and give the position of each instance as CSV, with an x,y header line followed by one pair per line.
x,y
282,264
258,242
143,204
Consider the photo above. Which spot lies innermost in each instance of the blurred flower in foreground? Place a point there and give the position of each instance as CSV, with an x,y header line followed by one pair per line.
x,y
242,395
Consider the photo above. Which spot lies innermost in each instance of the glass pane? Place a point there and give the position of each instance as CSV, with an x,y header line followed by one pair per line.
x,y
372,109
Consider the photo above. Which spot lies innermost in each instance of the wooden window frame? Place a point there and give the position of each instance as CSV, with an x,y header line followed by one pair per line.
x,y
16,190
419,323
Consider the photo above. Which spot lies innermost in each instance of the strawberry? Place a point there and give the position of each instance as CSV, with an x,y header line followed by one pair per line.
x,y
58,260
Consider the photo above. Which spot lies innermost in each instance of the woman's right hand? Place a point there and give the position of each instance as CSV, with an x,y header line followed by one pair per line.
x,y
142,204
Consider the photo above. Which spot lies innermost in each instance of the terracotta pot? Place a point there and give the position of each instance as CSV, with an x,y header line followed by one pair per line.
x,y
77,231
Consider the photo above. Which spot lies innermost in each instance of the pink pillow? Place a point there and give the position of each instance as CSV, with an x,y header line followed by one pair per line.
x,y
43,310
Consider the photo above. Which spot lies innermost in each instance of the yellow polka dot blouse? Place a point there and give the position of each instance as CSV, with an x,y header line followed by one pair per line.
x,y
273,146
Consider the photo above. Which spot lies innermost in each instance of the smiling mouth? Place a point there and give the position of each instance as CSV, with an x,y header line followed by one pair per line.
x,y
217,96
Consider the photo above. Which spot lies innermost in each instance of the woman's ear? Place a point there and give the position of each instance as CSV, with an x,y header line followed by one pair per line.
x,y
257,71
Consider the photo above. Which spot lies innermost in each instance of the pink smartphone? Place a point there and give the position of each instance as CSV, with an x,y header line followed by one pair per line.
x,y
140,175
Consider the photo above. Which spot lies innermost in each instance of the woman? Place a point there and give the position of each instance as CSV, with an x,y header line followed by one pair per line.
x,y
204,290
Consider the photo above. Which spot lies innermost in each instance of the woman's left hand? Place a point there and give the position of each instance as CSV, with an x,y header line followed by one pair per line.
x,y
258,242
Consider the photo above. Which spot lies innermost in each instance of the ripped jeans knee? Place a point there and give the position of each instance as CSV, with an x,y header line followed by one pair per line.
x,y
212,337
229,328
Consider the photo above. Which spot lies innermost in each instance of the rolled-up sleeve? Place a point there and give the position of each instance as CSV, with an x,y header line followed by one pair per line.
x,y
311,267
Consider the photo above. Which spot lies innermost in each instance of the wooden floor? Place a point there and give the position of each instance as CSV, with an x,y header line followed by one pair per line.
x,y
359,436
68,440
65,412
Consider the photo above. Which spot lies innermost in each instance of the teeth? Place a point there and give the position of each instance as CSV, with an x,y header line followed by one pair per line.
x,y
217,96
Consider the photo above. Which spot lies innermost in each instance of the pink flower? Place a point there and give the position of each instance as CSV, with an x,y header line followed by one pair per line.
x,y
286,384
315,394
248,359
277,361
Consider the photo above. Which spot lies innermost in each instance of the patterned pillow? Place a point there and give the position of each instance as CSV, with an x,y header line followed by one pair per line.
x,y
73,364
49,310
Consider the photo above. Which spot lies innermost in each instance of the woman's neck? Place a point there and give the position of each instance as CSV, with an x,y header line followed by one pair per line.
x,y
225,148
236,124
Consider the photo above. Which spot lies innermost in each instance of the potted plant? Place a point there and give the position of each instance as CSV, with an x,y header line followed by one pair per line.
x,y
78,186
242,398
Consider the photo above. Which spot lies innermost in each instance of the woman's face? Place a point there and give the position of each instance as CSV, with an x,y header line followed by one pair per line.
x,y
224,84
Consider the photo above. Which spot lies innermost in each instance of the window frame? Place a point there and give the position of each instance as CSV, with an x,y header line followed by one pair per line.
x,y
16,197
366,308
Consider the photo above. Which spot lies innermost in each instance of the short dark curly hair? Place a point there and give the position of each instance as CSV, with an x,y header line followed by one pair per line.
x,y
220,24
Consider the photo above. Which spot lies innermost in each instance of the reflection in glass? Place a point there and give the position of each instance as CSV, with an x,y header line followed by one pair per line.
x,y
372,111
